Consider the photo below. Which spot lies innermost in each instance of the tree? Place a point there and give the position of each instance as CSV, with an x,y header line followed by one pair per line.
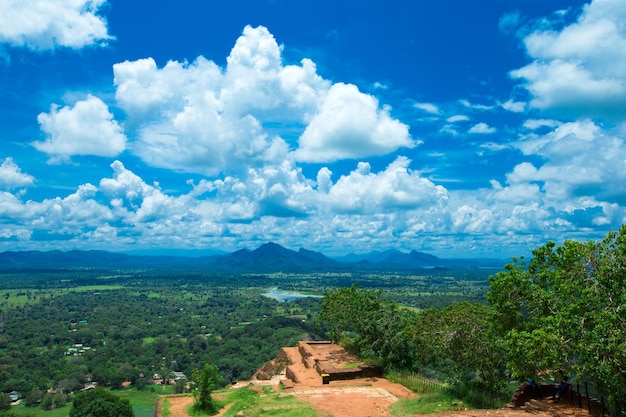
x,y
367,325
205,380
566,309
5,401
102,403
458,340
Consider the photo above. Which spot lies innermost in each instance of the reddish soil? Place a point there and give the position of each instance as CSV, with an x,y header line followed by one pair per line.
x,y
366,397
374,396
178,404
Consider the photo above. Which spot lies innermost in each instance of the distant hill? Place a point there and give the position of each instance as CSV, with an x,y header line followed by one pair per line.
x,y
394,259
272,257
269,257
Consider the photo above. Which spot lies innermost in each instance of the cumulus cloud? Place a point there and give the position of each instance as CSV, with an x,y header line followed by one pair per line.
x,y
199,117
87,128
11,176
47,24
363,191
482,128
580,160
579,70
351,125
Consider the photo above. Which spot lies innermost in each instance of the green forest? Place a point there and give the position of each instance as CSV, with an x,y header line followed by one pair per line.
x,y
479,331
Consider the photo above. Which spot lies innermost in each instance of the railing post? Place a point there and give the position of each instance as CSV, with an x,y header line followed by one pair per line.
x,y
578,392
602,402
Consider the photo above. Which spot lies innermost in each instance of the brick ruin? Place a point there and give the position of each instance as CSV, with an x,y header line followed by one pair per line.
x,y
319,362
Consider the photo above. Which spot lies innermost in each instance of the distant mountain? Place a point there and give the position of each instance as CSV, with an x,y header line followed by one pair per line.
x,y
374,256
93,259
273,257
394,259
269,257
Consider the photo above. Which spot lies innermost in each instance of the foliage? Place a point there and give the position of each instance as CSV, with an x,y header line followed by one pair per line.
x,y
378,326
5,401
205,381
458,340
247,401
416,382
102,403
427,403
145,322
564,309
165,412
128,333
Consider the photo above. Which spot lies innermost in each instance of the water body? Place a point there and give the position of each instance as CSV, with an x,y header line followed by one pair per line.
x,y
282,296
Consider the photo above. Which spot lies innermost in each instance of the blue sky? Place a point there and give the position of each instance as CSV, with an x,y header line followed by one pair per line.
x,y
462,129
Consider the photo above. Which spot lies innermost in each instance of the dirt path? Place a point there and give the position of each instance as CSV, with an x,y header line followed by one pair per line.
x,y
177,406
356,398
367,397
374,397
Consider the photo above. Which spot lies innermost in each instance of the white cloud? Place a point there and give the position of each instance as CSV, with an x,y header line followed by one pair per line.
x,y
199,117
533,124
363,191
427,107
457,118
11,176
47,24
580,159
364,210
580,70
470,105
514,106
482,128
509,22
87,128
351,125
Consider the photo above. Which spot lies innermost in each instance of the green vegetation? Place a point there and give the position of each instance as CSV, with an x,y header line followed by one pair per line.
x,y
165,412
564,310
427,403
561,309
102,403
204,381
454,345
249,402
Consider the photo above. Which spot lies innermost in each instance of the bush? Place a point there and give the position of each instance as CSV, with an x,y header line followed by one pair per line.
x,y
102,403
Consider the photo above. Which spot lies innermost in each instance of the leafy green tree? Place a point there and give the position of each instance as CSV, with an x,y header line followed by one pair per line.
x,y
101,403
565,309
458,341
47,402
5,401
367,325
205,381
34,397
180,386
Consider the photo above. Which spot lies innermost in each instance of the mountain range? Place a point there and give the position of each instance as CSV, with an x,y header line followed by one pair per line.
x,y
269,257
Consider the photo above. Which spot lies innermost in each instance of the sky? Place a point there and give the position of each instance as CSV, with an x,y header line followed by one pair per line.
x,y
461,129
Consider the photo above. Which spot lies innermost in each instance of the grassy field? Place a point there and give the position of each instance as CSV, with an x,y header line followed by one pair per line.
x,y
246,401
22,410
143,403
432,403
11,298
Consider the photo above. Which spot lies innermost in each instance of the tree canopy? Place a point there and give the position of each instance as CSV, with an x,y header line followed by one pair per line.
x,y
100,403
205,381
565,309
